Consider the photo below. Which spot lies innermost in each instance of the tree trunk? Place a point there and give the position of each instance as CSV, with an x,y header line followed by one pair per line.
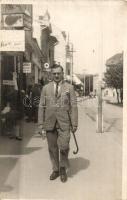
x,y
117,95
121,95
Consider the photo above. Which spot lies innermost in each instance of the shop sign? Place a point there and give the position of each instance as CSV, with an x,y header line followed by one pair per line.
x,y
16,20
13,20
8,82
12,40
26,67
46,65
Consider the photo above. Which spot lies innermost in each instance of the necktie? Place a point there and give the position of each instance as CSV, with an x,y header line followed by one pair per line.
x,y
56,93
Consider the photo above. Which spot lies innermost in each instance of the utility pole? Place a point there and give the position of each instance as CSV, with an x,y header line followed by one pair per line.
x,y
89,84
72,61
100,110
72,65
100,116
84,81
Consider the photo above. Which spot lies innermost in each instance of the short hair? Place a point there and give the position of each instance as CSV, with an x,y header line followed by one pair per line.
x,y
57,66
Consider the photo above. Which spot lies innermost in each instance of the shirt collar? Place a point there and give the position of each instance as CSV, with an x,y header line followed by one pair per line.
x,y
58,83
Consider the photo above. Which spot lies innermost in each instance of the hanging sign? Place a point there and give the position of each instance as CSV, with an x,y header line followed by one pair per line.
x,y
46,65
26,67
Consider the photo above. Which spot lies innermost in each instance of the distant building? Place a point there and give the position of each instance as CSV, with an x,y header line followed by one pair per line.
x,y
91,83
95,83
48,42
60,48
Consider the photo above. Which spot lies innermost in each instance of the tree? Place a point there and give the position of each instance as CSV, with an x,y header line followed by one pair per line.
x,y
114,79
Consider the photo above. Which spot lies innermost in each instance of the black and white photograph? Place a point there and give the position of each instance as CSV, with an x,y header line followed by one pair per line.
x,y
63,100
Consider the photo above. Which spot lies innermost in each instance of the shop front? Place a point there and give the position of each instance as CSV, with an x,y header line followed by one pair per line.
x,y
13,80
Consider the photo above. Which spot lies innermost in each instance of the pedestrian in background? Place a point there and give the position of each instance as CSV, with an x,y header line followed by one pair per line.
x,y
57,107
28,103
12,114
36,92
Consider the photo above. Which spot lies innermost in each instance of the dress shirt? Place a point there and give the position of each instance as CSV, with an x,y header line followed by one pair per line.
x,y
59,86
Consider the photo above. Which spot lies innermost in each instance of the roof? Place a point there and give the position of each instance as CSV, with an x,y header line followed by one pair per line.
x,y
58,33
117,59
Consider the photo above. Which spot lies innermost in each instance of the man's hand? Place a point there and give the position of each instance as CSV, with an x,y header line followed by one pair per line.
x,y
3,120
41,131
43,134
74,129
40,127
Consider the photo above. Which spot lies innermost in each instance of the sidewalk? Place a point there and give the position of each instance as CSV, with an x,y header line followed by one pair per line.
x,y
95,172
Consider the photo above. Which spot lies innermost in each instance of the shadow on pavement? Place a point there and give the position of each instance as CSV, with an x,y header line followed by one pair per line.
x,y
38,136
10,151
6,165
28,150
114,103
77,164
17,149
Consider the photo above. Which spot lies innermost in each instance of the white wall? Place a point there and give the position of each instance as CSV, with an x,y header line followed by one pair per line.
x,y
60,48
110,94
60,53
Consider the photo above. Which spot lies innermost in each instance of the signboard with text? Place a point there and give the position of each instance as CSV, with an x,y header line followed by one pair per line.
x,y
17,20
8,82
12,40
13,20
26,67
46,65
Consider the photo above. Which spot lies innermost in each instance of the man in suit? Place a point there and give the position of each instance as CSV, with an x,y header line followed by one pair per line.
x,y
57,107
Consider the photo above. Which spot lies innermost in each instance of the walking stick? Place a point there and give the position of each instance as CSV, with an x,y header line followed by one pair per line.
x,y
77,148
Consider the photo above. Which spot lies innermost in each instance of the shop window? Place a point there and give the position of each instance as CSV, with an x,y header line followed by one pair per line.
x,y
7,67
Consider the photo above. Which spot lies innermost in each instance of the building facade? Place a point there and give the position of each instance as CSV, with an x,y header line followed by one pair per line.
x,y
19,69
48,42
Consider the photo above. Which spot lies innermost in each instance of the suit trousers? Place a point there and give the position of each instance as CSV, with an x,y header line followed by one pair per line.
x,y
58,145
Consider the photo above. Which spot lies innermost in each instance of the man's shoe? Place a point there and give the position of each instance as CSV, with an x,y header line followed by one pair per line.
x,y
11,136
63,174
18,138
54,175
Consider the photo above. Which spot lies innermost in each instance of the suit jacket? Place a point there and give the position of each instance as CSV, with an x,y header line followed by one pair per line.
x,y
61,109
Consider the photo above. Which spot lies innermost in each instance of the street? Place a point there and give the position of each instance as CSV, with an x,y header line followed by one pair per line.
x,y
94,174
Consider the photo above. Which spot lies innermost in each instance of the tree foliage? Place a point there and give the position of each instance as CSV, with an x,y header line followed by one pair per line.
x,y
114,79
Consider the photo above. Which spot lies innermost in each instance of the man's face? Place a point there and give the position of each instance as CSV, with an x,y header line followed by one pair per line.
x,y
57,74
